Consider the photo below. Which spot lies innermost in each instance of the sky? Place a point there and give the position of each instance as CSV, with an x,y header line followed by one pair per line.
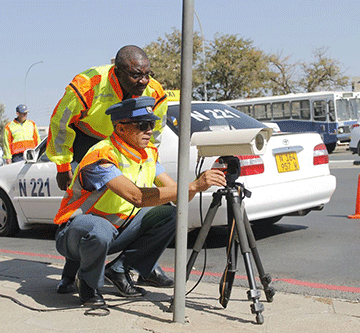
x,y
44,44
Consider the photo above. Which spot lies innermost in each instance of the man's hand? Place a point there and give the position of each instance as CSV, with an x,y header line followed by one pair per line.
x,y
8,161
64,179
208,178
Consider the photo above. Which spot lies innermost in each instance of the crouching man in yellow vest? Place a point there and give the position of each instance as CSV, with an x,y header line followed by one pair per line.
x,y
111,205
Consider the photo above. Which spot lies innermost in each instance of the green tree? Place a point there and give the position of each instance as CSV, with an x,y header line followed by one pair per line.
x,y
324,73
3,122
282,75
235,69
165,59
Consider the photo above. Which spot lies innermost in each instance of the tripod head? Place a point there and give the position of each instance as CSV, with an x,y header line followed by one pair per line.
x,y
232,171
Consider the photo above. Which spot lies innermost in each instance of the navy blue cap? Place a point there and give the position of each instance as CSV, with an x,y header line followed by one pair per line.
x,y
140,108
22,108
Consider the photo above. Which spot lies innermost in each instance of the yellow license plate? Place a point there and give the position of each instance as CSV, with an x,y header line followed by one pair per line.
x,y
287,162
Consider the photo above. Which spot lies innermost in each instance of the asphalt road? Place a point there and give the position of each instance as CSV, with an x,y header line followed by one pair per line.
x,y
317,254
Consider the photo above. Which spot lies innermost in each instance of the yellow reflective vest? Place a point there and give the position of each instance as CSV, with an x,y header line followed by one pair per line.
x,y
137,165
20,136
84,104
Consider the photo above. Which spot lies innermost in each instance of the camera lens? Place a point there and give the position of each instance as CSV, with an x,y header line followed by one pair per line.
x,y
259,141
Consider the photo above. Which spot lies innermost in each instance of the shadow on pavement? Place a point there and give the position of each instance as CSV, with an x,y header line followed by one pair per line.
x,y
218,235
38,232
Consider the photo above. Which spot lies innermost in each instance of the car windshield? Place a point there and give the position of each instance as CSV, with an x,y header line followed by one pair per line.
x,y
212,117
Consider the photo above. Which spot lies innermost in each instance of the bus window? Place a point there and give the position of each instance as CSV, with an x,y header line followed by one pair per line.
x,y
300,109
245,109
281,110
355,107
357,102
262,112
319,110
332,116
343,111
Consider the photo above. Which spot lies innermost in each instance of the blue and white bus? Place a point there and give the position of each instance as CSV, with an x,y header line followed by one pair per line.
x,y
331,114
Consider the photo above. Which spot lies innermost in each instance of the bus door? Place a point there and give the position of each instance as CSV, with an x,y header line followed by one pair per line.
x,y
319,118
346,117
323,124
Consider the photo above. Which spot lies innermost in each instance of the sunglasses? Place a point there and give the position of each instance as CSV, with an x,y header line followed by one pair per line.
x,y
143,126
136,76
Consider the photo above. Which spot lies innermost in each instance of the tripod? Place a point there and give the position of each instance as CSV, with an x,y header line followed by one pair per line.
x,y
240,234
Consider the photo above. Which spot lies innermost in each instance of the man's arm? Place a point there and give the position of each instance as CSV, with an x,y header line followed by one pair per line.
x,y
155,196
163,180
7,140
36,135
61,137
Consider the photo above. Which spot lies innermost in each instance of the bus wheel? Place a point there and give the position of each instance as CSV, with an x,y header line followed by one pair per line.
x,y
331,147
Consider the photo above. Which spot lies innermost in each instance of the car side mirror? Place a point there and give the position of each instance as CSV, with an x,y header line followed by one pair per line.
x,y
30,156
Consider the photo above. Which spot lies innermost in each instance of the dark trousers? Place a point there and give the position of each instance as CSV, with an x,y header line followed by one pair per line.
x,y
17,157
82,144
88,239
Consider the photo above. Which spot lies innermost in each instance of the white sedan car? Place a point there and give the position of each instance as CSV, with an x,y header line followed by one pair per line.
x,y
291,178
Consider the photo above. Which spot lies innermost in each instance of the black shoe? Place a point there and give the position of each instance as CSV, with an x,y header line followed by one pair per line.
x,y
88,295
157,278
124,283
66,286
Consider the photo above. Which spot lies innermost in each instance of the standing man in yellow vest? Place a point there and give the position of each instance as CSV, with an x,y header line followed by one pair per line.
x,y
79,119
112,207
19,135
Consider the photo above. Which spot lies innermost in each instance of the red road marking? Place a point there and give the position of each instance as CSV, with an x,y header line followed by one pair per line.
x,y
30,254
239,277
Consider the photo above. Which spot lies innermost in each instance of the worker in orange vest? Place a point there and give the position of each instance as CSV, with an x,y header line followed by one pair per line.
x,y
19,135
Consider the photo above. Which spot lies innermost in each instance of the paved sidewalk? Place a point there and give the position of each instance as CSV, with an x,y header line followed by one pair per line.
x,y
34,284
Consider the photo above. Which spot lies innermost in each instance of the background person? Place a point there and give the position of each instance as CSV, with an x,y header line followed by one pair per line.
x,y
19,135
112,207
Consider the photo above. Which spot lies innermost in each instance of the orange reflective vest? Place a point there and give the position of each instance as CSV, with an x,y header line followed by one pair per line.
x,y
20,136
84,104
137,165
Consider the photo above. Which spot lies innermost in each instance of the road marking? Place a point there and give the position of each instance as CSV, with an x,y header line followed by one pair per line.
x,y
213,274
30,254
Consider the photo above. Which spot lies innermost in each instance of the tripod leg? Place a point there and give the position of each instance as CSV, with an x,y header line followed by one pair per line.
x,y
233,198
215,204
228,276
264,277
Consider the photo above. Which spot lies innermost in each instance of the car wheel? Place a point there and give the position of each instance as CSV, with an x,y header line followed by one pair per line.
x,y
8,221
267,221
